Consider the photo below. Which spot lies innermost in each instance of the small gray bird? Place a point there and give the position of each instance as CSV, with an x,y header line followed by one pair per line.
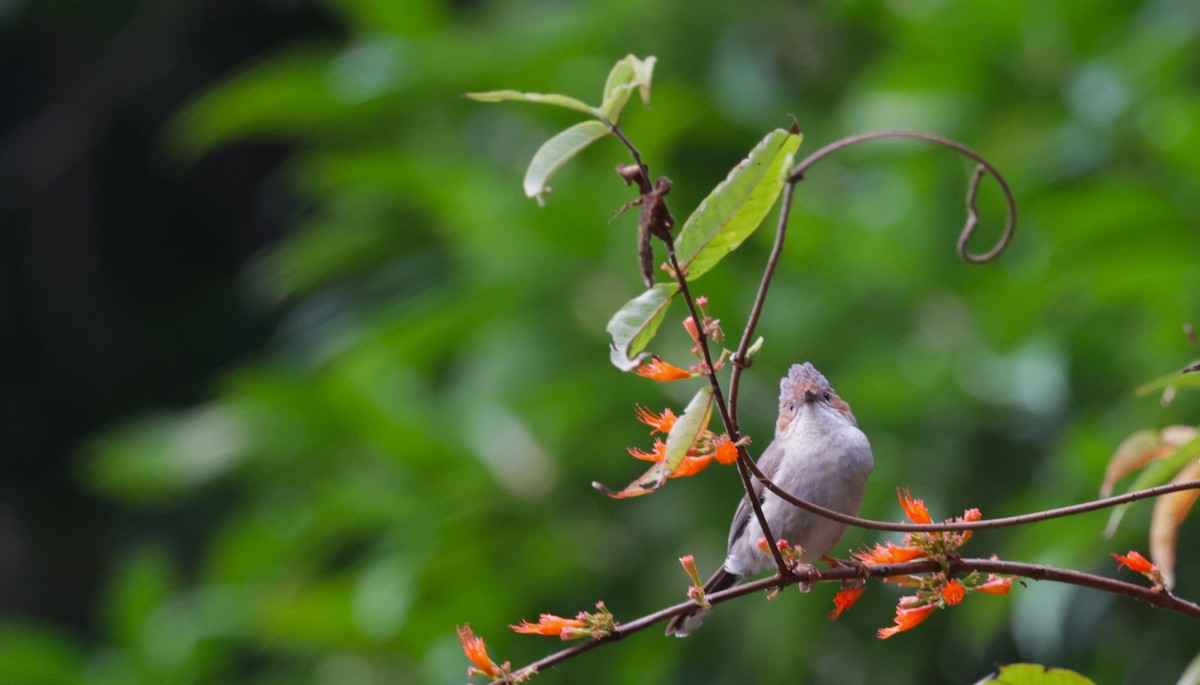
x,y
818,455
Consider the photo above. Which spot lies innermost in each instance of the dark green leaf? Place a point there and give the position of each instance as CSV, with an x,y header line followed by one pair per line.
x,y
737,205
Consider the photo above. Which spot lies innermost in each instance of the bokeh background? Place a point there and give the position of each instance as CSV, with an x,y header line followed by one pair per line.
x,y
294,379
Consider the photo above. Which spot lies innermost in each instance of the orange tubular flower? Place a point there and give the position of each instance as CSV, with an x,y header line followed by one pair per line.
x,y
914,508
692,330
661,371
661,423
906,619
1136,562
549,624
689,566
659,452
844,600
762,546
953,592
891,554
726,452
476,651
995,585
690,466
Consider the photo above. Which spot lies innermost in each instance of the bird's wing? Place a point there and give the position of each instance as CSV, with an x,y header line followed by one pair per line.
x,y
768,463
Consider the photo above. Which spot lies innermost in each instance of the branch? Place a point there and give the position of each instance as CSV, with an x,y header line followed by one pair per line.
x,y
796,175
744,462
739,359
954,567
1010,223
1034,517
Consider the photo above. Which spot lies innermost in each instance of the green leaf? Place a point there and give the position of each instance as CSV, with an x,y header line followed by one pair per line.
x,y
634,325
688,427
626,75
736,206
556,151
551,99
1157,474
1037,674
752,353
1179,379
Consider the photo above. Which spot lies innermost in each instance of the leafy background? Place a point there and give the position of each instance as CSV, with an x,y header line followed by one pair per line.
x,y
296,379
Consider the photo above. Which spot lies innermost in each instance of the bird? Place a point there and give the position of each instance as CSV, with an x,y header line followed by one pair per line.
x,y
820,455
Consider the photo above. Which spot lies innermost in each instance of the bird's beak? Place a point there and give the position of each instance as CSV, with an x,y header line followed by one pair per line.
x,y
810,394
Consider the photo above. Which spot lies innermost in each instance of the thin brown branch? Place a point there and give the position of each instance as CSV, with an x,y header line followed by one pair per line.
x,y
1020,519
739,360
954,567
633,152
1010,223
745,463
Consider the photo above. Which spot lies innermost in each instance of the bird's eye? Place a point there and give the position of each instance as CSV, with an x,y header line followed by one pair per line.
x,y
825,395
791,406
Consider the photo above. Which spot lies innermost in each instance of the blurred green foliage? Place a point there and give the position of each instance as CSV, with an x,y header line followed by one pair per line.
x,y
414,448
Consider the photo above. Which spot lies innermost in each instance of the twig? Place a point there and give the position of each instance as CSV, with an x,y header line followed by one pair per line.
x,y
1010,223
797,174
745,463
954,566
739,359
1034,517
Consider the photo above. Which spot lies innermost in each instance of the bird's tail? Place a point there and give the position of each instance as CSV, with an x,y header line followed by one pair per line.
x,y
683,624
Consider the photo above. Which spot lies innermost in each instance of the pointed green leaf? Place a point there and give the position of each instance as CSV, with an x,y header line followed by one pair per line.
x,y
1157,474
634,325
752,353
736,206
626,75
1179,379
687,429
550,99
556,151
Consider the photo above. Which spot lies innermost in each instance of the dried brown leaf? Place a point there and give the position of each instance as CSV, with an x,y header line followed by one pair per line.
x,y
1141,448
1169,512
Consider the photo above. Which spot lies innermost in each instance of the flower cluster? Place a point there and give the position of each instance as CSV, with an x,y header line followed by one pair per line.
x,y
708,446
791,554
585,624
934,590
